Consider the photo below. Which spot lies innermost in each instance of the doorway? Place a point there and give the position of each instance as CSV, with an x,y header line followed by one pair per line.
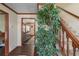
x,y
28,35
4,33
27,29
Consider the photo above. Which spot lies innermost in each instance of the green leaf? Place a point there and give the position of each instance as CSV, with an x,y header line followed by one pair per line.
x,y
47,39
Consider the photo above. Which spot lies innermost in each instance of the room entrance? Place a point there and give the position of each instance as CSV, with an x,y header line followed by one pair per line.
x,y
28,35
4,33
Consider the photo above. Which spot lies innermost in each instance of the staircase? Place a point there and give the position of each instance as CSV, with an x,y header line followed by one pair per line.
x,y
68,42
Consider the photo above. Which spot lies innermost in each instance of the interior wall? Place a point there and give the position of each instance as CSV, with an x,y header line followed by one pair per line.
x,y
19,25
2,24
12,27
71,7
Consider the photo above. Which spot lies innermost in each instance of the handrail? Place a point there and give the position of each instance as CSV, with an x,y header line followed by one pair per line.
x,y
69,34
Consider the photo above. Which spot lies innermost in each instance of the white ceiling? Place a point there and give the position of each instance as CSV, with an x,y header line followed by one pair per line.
x,y
23,7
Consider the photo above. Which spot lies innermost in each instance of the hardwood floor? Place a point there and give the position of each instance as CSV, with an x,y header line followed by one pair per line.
x,y
25,50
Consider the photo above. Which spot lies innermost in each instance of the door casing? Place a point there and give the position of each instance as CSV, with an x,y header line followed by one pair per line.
x,y
6,40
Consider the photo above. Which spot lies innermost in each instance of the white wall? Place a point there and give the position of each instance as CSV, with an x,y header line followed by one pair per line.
x,y
12,27
19,26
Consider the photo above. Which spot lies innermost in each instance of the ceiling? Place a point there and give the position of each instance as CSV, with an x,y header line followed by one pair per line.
x,y
23,7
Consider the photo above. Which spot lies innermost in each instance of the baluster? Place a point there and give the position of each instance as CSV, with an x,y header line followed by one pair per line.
x,y
63,38
67,45
60,37
74,49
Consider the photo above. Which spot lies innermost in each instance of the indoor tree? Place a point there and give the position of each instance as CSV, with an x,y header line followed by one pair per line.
x,y
48,27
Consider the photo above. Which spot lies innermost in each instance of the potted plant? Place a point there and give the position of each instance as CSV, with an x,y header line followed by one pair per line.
x,y
47,34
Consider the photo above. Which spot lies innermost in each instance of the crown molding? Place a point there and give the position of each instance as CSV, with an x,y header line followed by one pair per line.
x,y
3,12
26,13
28,18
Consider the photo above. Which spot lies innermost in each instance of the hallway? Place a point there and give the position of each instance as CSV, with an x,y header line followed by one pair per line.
x,y
25,50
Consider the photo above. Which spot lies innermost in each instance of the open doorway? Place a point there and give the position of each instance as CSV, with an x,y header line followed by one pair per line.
x,y
28,29
4,33
28,35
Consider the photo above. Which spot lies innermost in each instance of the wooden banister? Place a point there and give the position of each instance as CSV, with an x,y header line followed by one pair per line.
x,y
69,34
63,38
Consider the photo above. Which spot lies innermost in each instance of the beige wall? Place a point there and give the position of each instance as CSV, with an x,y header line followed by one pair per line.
x,y
19,26
71,7
2,24
12,27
